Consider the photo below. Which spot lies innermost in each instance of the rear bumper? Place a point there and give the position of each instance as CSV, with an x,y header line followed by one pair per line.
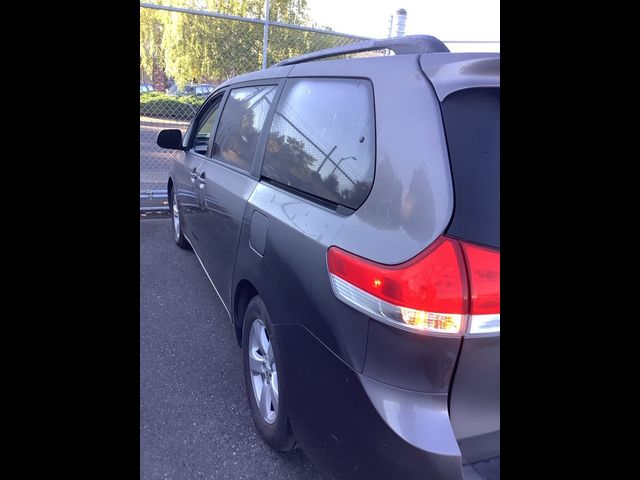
x,y
352,426
483,470
474,405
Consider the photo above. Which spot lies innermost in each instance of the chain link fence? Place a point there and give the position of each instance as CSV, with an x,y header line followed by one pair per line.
x,y
185,54
188,47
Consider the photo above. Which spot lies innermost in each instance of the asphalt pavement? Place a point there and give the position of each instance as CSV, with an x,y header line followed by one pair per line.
x,y
195,422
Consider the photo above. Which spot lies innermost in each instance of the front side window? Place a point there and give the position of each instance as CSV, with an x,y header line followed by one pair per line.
x,y
241,123
322,139
205,128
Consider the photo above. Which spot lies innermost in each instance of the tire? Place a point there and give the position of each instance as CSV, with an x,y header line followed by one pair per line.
x,y
176,218
261,373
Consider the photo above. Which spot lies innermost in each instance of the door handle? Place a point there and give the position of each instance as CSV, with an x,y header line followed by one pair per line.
x,y
201,179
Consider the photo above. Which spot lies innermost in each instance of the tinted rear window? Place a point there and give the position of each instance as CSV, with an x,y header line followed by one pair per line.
x,y
322,139
472,123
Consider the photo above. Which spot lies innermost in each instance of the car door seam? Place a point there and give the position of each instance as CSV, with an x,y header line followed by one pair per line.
x,y
208,276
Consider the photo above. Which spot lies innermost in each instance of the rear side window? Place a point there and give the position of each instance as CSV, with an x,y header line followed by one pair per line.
x,y
472,123
322,140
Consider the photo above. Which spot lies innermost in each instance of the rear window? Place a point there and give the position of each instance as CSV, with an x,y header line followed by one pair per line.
x,y
472,123
322,140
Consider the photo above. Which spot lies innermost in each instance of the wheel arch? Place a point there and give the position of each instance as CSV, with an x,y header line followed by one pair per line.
x,y
245,291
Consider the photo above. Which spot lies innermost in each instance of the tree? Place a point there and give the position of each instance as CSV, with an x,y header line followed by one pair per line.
x,y
152,23
196,48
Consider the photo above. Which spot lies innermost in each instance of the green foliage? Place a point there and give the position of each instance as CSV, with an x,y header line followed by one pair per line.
x,y
198,48
285,43
152,24
161,105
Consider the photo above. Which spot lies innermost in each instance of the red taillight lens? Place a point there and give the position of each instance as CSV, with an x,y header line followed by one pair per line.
x,y
428,293
483,266
431,281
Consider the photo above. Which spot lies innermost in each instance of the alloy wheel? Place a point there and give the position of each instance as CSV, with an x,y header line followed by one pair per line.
x,y
262,368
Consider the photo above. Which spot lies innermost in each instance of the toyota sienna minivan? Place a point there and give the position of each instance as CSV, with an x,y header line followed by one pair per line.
x,y
347,214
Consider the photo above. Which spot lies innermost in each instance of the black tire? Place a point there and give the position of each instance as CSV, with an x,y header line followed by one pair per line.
x,y
178,236
278,434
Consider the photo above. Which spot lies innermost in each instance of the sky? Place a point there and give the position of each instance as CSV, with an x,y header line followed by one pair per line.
x,y
445,19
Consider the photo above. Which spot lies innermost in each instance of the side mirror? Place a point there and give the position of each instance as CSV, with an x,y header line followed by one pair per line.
x,y
170,138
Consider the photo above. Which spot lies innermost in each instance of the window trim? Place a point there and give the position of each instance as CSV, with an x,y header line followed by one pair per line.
x,y
204,109
223,102
256,165
338,207
301,194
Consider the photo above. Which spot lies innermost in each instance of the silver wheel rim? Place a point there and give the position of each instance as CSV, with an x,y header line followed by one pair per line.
x,y
262,368
176,217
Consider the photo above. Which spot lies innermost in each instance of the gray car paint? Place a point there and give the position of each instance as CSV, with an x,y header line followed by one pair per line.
x,y
411,201
450,72
474,405
182,172
222,191
223,201
185,190
259,75
410,205
475,398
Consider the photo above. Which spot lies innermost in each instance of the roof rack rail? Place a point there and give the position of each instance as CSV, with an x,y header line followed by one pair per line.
x,y
404,45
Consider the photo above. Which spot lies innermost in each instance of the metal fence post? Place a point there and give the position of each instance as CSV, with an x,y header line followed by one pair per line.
x,y
265,34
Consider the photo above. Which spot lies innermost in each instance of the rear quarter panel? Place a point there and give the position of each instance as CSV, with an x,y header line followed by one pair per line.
x,y
409,206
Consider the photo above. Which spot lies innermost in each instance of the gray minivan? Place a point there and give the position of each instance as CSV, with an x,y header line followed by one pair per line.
x,y
347,214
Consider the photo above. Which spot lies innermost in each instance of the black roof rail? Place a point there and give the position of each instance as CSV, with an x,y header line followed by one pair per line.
x,y
407,44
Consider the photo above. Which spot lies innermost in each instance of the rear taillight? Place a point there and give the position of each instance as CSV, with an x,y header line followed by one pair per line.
x,y
428,293
483,266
